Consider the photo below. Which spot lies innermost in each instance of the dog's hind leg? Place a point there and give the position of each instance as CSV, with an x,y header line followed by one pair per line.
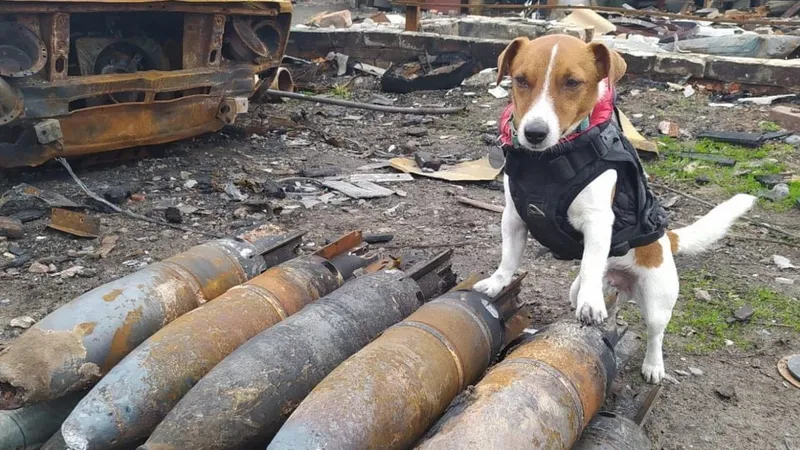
x,y
656,292
515,237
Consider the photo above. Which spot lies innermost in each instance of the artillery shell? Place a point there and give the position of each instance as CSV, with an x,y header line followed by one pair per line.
x,y
609,431
71,348
245,399
128,403
27,428
540,396
385,396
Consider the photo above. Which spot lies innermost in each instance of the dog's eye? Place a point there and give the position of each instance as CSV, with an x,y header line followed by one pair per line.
x,y
572,83
521,81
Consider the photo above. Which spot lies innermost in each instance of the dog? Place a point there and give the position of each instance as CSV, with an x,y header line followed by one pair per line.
x,y
558,82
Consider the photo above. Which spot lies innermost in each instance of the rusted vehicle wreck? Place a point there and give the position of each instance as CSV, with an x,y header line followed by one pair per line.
x,y
79,77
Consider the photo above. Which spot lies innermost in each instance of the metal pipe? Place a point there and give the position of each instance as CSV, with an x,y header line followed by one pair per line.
x,y
29,427
429,110
72,347
541,395
244,400
128,403
10,102
387,395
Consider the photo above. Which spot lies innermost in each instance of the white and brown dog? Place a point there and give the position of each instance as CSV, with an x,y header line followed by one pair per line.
x,y
558,82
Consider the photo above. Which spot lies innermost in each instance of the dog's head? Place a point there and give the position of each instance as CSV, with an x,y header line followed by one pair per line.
x,y
556,84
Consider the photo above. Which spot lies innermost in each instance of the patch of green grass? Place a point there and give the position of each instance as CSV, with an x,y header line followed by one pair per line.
x,y
741,178
342,91
705,326
769,127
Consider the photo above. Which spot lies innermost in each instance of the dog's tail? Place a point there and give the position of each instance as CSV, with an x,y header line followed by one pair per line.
x,y
698,236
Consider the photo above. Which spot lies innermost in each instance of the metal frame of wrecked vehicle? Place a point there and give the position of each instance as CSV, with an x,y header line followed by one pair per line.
x,y
58,100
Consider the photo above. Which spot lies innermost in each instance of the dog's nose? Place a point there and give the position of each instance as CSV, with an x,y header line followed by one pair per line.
x,y
536,132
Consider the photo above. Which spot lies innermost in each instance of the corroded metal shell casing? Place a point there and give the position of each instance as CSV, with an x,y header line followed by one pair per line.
x,y
244,400
128,403
609,431
387,395
29,427
541,395
72,347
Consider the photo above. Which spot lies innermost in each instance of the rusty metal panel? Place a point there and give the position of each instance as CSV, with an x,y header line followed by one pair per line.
x,y
55,32
74,222
202,40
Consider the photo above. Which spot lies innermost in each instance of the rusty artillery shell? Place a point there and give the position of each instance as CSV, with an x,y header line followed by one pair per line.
x,y
540,396
609,431
27,428
385,396
245,398
71,348
128,403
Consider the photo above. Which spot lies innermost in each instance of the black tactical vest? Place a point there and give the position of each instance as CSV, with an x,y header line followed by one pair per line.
x,y
544,184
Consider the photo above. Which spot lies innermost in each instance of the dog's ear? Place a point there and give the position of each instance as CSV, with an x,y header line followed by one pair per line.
x,y
609,63
505,58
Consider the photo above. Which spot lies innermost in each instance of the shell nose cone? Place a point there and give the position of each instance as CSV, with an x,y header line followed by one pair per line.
x,y
90,427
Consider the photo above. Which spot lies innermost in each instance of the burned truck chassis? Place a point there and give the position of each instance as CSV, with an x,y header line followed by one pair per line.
x,y
79,78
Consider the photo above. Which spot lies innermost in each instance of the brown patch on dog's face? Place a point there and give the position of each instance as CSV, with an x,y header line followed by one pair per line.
x,y
674,242
649,256
555,81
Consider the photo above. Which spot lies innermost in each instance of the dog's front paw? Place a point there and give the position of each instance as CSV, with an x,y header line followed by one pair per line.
x,y
492,285
653,373
573,292
591,309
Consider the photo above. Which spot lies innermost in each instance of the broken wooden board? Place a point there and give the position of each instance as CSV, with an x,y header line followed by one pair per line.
x,y
639,142
360,189
478,170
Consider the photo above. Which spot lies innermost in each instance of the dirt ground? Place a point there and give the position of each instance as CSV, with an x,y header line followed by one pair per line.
x,y
739,401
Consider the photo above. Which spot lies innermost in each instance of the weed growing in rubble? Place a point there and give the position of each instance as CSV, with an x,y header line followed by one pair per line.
x,y
769,159
342,91
705,324
769,127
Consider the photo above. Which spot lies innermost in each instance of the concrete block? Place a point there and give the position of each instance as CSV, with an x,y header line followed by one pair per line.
x,y
786,116
680,65
768,72
639,63
381,39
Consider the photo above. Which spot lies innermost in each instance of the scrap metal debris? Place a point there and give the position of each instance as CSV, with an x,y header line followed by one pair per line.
x,y
75,223
429,72
742,138
350,104
359,189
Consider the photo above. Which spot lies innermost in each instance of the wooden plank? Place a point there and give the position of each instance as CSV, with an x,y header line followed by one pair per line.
x,y
412,17
480,204
791,11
